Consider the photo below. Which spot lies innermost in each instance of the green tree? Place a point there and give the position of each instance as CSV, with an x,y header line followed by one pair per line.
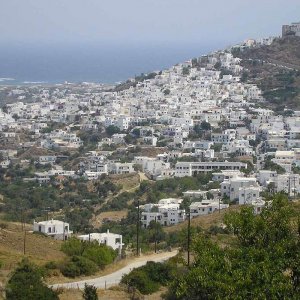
x,y
90,292
205,125
263,263
26,284
112,129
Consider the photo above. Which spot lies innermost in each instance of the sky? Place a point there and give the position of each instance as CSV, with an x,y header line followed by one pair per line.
x,y
112,40
147,22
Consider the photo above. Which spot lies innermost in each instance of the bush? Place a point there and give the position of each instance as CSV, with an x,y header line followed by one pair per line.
x,y
78,266
51,265
139,279
90,292
147,279
73,246
3,225
26,284
70,269
99,254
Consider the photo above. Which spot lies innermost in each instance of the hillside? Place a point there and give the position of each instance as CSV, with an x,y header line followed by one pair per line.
x,y
39,249
276,70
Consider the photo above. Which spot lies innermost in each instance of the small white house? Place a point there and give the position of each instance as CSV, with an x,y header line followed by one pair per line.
x,y
109,239
59,230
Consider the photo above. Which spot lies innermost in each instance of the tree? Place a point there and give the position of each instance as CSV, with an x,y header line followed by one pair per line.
x,y
185,71
205,125
167,92
26,284
90,292
263,262
112,129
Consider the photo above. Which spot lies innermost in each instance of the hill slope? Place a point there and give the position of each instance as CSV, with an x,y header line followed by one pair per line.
x,y
276,70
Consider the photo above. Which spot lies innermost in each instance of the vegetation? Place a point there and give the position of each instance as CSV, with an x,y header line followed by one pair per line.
x,y
147,279
26,284
29,200
263,263
85,257
90,292
270,165
276,70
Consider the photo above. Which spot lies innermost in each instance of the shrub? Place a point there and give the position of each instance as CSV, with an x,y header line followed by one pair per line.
x,y
90,292
3,225
73,246
99,254
78,266
26,284
51,265
140,280
70,269
147,279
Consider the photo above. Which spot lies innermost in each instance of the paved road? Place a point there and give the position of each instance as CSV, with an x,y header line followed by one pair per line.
x,y
115,278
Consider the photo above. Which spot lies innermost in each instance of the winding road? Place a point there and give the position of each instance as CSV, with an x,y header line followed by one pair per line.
x,y
115,277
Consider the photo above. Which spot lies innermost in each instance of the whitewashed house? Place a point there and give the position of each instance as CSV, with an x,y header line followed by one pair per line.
x,y
59,230
109,239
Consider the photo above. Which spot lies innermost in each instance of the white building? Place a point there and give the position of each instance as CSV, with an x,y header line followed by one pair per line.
x,y
109,239
248,195
167,212
59,230
206,207
193,168
121,168
231,187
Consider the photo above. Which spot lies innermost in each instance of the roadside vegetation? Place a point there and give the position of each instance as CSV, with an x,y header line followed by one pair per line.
x,y
261,263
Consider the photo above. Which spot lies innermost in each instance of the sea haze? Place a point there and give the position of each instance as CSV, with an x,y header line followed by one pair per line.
x,y
105,64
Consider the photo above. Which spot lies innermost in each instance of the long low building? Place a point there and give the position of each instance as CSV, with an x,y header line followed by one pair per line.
x,y
193,168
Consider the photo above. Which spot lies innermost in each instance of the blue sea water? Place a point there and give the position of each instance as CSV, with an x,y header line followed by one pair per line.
x,y
84,63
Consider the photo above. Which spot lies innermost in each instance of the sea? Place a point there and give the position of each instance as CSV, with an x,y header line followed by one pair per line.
x,y
36,64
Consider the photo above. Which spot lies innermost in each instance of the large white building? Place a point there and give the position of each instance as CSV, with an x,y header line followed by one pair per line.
x,y
193,168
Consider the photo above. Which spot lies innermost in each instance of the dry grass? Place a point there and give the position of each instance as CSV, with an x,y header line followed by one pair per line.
x,y
102,294
151,151
115,293
109,215
128,181
39,249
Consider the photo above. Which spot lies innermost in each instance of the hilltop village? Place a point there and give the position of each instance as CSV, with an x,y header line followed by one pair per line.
x,y
200,117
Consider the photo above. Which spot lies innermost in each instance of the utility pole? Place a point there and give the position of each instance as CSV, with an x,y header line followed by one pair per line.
x,y
24,243
138,230
155,237
294,187
22,219
64,229
289,189
189,238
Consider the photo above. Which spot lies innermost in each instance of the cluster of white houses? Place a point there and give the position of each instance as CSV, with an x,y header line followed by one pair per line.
x,y
194,116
